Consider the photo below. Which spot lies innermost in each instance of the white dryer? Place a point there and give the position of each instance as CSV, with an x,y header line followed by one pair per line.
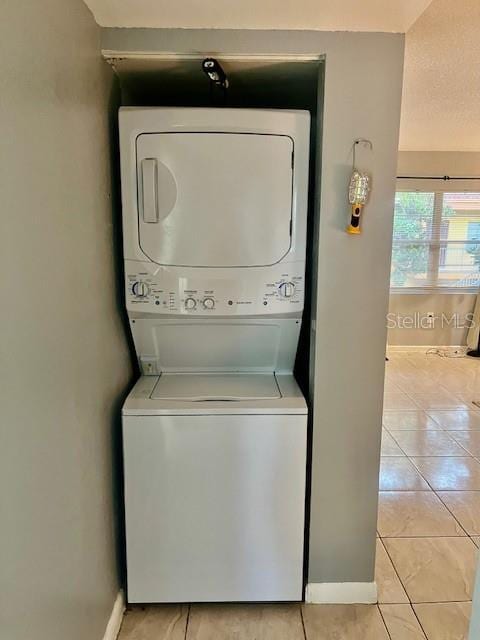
x,y
214,432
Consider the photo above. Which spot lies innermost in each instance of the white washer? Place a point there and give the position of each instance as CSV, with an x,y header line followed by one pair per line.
x,y
215,490
214,432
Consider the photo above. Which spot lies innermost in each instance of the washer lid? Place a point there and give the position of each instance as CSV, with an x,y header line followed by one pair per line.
x,y
197,387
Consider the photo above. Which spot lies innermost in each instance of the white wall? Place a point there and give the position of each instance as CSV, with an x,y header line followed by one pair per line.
x,y
64,359
434,163
342,15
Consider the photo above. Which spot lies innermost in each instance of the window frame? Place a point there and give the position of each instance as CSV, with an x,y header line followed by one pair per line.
x,y
438,187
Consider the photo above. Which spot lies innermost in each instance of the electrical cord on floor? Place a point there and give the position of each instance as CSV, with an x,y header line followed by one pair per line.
x,y
452,352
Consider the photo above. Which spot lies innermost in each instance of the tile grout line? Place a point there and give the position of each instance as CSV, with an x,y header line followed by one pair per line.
x,y
420,623
423,411
459,443
188,620
397,537
383,620
420,473
303,622
418,470
397,443
429,431
434,490
441,602
467,537
453,515
409,458
444,390
397,574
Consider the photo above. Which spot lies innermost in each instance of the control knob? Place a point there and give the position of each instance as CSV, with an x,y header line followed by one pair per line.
x,y
286,289
190,303
140,289
208,303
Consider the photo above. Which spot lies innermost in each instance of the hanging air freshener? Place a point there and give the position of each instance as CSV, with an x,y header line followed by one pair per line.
x,y
358,192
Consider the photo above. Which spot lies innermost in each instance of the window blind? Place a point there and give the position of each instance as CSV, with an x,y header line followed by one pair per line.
x,y
436,241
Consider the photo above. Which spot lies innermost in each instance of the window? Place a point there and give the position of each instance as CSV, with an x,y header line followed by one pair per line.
x,y
436,241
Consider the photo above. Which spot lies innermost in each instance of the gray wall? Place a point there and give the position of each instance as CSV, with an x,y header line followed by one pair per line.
x,y
63,352
434,163
363,77
352,300
451,317
438,163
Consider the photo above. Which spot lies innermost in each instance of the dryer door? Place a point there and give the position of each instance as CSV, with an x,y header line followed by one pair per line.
x,y
214,199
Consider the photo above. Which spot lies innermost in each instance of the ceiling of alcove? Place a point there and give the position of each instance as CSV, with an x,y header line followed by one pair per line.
x,y
322,15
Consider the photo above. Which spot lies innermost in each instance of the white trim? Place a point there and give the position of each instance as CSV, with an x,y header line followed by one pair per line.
x,y
116,617
341,593
422,348
444,186
428,291
227,57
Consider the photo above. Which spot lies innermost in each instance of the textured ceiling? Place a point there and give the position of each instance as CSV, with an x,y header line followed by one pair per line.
x,y
325,15
441,93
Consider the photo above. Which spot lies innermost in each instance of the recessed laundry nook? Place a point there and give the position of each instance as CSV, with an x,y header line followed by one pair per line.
x,y
221,184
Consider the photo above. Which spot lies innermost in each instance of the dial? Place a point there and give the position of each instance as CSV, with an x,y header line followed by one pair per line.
x,y
208,303
140,289
190,303
286,289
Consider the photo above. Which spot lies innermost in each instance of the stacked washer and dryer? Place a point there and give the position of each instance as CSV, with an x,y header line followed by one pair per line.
x,y
214,432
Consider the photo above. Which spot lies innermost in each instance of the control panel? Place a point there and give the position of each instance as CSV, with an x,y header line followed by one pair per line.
x,y
252,291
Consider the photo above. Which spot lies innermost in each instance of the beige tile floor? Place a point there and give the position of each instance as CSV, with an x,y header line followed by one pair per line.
x,y
428,528
429,501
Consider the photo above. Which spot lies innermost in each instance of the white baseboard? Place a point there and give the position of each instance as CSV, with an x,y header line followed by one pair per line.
x,y
420,348
341,593
116,617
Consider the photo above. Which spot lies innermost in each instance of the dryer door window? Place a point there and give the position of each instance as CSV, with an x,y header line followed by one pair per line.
x,y
214,199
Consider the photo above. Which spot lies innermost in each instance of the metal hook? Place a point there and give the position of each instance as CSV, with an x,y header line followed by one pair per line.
x,y
365,142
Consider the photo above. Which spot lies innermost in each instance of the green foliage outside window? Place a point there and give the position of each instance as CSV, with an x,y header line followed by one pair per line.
x,y
413,221
412,233
474,249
